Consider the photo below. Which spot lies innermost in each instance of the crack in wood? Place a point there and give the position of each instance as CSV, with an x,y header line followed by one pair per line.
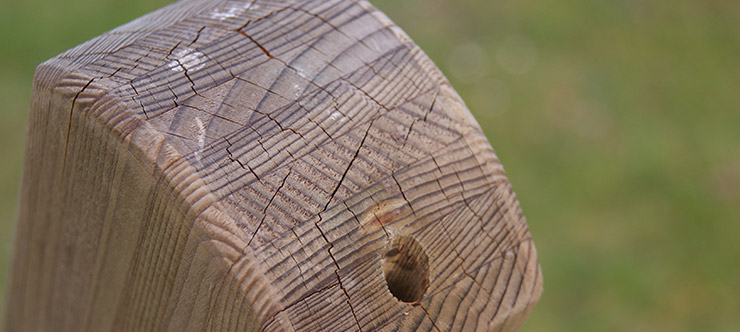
x,y
331,245
262,48
267,206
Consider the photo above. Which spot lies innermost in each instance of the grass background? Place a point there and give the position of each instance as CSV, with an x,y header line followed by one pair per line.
x,y
618,123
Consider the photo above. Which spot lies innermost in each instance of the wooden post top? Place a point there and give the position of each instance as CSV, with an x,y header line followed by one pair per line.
x,y
263,165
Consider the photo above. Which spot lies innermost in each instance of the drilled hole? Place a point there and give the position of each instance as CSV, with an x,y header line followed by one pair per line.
x,y
406,269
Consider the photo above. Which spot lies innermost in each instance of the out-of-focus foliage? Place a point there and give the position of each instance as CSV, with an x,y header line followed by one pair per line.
x,y
618,123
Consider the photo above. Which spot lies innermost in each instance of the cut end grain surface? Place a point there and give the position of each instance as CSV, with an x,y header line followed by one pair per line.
x,y
262,166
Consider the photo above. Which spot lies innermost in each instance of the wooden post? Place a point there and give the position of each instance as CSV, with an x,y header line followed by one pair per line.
x,y
262,166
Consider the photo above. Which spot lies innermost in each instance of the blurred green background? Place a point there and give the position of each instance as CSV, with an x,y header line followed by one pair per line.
x,y
618,123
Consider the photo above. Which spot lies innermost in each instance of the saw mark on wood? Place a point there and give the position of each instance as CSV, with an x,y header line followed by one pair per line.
x,y
302,299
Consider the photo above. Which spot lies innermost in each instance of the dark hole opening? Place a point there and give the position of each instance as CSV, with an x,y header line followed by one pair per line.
x,y
406,269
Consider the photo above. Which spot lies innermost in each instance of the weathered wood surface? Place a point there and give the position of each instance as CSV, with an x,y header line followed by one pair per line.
x,y
262,166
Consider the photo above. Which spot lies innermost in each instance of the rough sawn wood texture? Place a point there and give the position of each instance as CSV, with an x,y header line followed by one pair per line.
x,y
262,166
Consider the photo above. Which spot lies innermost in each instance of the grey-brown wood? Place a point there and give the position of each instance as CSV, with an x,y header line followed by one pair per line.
x,y
262,166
